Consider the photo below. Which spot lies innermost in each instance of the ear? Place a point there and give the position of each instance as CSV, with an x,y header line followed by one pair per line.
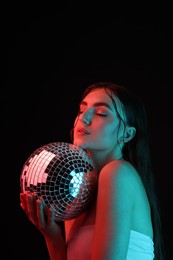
x,y
130,132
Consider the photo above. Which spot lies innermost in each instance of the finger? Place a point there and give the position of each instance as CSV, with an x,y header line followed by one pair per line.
x,y
50,216
40,213
31,208
23,201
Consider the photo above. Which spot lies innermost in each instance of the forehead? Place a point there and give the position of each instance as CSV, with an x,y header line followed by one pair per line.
x,y
100,95
97,94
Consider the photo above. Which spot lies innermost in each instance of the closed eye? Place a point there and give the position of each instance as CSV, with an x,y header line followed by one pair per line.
x,y
99,114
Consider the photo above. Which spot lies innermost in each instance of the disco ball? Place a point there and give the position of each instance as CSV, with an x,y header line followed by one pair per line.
x,y
63,175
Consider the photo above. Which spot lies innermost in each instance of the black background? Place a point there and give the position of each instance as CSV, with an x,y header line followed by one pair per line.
x,y
53,54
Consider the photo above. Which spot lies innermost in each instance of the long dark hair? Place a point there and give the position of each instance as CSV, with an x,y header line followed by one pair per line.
x,y
137,150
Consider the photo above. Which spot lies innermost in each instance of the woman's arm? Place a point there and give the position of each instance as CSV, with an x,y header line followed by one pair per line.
x,y
115,203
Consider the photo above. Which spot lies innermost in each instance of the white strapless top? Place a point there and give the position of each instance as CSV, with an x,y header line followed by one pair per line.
x,y
141,247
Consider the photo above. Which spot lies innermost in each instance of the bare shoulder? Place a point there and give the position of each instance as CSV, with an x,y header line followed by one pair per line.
x,y
122,194
120,172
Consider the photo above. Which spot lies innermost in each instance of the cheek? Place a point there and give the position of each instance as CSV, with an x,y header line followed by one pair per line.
x,y
109,129
75,121
74,134
75,124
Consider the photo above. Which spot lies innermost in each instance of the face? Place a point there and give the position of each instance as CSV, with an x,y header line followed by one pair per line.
x,y
96,126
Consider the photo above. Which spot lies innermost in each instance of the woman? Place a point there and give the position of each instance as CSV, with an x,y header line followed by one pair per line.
x,y
123,222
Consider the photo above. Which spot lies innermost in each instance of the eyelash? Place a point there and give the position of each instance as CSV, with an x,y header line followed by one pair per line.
x,y
101,114
98,114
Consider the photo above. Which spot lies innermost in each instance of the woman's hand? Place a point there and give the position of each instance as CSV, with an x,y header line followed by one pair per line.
x,y
42,218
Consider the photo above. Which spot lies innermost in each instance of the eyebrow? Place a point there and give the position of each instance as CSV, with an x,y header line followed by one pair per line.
x,y
97,104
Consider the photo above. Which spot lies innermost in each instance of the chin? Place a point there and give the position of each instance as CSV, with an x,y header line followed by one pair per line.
x,y
80,144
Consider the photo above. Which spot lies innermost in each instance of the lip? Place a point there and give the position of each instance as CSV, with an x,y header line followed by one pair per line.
x,y
83,131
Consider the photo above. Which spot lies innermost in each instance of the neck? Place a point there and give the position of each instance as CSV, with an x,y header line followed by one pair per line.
x,y
101,158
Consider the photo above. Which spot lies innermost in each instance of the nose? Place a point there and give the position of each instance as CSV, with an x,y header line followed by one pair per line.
x,y
86,118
